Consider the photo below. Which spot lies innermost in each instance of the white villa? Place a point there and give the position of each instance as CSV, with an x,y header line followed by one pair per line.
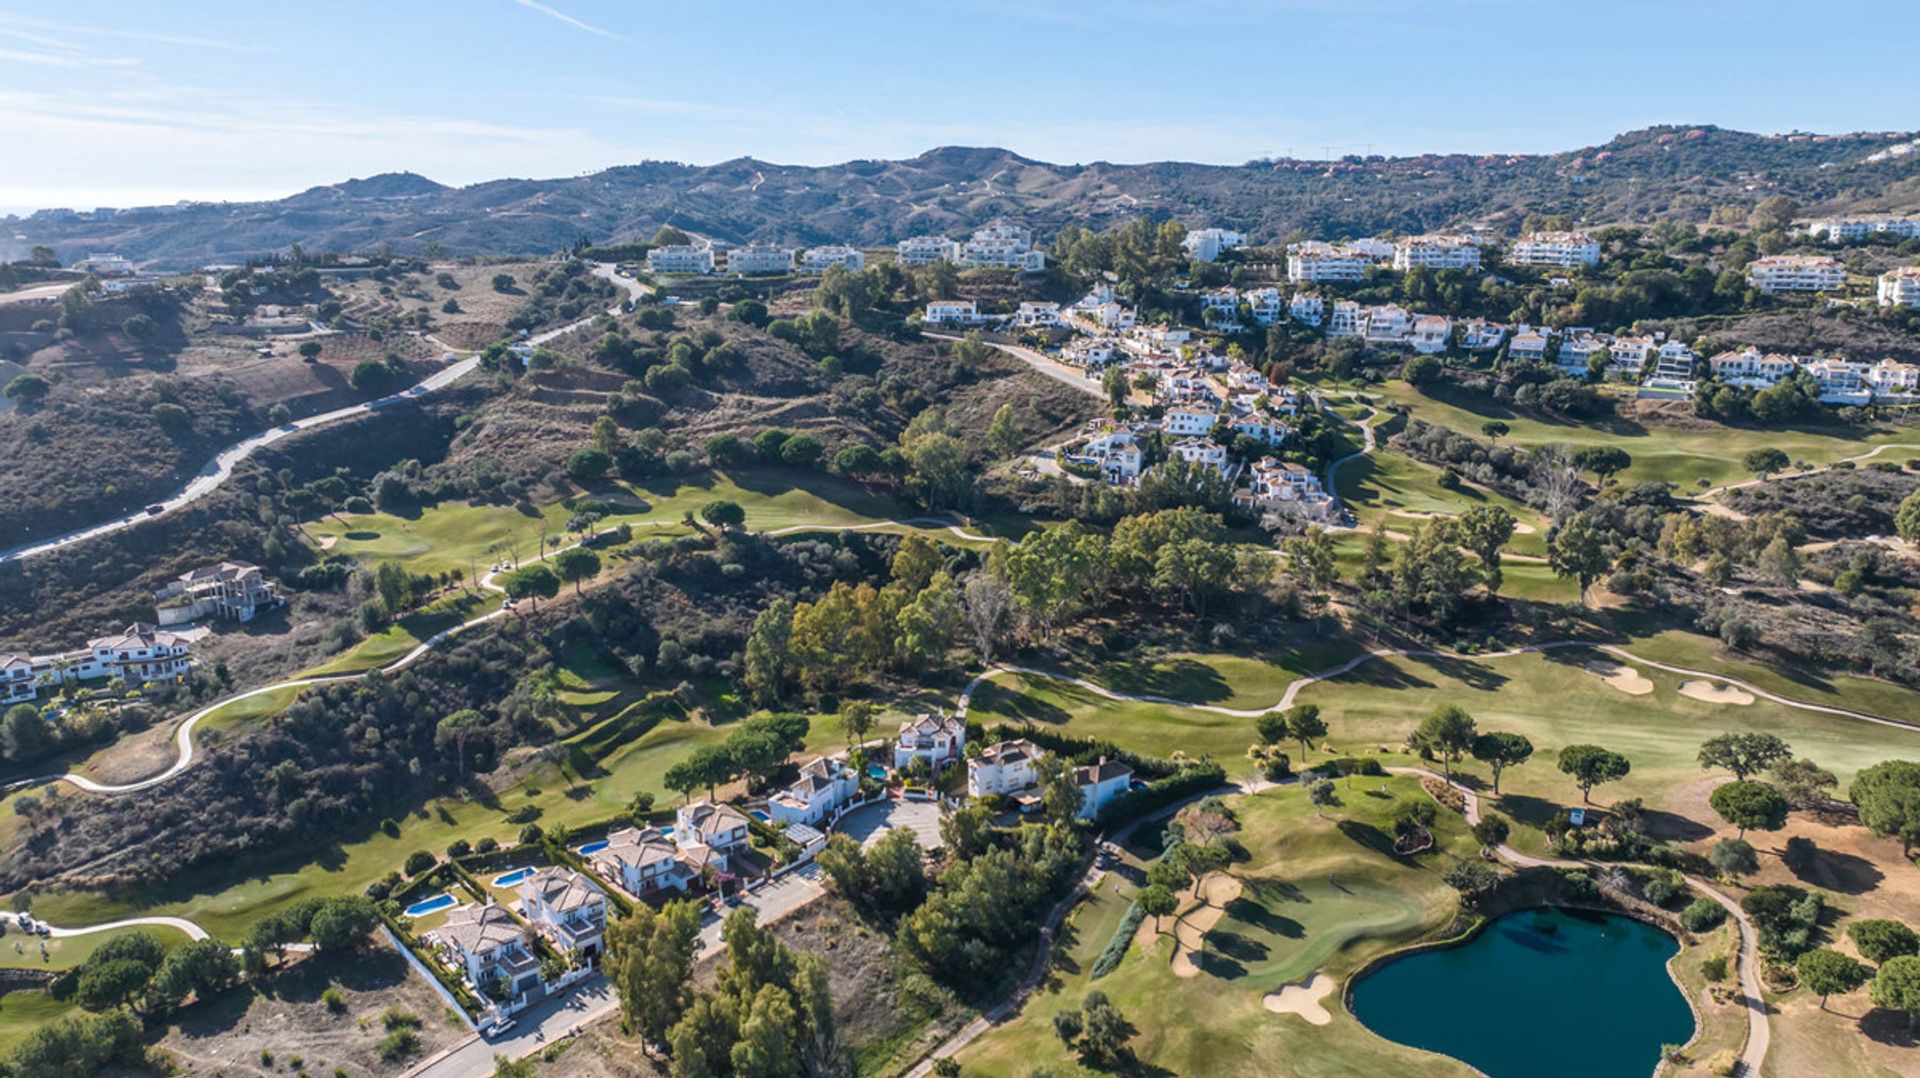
x,y
1207,244
1565,249
1307,308
942,312
1188,422
643,860
1674,362
935,737
1346,319
486,944
1118,454
823,787
1265,305
140,654
1480,335
1431,334
1271,482
1006,768
233,590
1037,315
1089,351
1437,252
1796,273
1099,784
1528,343
708,832
1201,451
567,909
681,258
821,259
1899,287
105,265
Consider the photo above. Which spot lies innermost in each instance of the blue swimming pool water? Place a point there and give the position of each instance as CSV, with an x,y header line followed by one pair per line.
x,y
761,816
592,848
876,771
431,905
508,879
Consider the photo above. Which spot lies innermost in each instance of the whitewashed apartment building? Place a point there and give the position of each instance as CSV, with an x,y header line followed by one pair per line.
x,y
1850,229
1002,245
1208,244
1899,287
952,312
1438,252
758,258
1565,249
1314,261
681,258
1796,273
925,250
821,259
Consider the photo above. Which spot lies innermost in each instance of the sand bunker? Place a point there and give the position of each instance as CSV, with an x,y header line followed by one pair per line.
x,y
1302,999
1714,692
1521,527
1625,678
327,541
1191,922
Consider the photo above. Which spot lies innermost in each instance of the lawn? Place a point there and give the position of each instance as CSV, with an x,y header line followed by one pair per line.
x,y
1530,580
1319,894
407,633
1659,453
1236,681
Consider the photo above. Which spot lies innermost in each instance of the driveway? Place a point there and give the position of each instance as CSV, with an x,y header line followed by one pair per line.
x,y
1073,377
773,901
868,823
533,1029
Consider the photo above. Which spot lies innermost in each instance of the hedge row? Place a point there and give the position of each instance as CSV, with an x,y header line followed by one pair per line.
x,y
1078,749
1160,793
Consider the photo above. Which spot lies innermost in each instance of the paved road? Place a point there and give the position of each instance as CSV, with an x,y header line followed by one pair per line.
x,y
181,924
221,466
793,891
1059,372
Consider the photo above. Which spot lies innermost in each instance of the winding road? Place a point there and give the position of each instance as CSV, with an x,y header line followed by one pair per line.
x,y
220,468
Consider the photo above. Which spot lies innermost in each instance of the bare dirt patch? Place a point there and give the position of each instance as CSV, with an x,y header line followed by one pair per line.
x,y
1615,676
287,1016
1714,692
1191,922
1303,999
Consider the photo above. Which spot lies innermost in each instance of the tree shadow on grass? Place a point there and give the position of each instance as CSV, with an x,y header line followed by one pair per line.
x,y
1183,679
1255,915
1020,707
1374,839
1215,964
1842,872
1673,827
1883,1026
1237,948
1527,810
1384,674
1472,674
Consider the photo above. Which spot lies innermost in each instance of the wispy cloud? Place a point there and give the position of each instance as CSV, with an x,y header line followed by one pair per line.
x,y
181,40
577,24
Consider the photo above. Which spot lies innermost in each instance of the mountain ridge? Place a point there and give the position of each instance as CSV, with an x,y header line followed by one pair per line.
x,y
1665,171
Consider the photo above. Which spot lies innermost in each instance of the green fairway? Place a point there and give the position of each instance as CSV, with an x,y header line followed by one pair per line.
x,y
407,633
24,1010
1318,894
21,951
1397,492
1530,580
1555,701
1659,452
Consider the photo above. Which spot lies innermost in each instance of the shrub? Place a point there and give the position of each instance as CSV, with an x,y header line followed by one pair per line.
x,y
1714,968
418,861
1799,854
1724,1063
333,999
459,847
486,845
1116,948
399,1044
1703,915
1663,887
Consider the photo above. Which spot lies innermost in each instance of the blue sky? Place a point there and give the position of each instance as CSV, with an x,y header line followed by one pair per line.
x,y
130,102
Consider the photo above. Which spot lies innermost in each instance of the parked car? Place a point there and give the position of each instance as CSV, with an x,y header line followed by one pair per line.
x,y
156,509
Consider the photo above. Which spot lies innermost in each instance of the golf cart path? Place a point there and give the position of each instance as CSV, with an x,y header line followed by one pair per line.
x,y
221,467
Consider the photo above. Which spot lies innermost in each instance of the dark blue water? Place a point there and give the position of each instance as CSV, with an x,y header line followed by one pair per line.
x,y
1573,994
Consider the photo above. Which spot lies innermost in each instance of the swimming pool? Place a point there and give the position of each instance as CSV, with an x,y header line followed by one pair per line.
x,y
432,905
876,771
508,879
592,848
761,816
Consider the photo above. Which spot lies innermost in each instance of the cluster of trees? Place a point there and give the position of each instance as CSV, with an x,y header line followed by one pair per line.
x,y
984,909
85,1044
664,367
1794,399
1428,578
890,879
769,1013
819,645
137,971
755,751
1096,1029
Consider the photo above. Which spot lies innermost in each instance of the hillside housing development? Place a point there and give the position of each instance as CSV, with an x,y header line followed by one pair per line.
x,y
139,654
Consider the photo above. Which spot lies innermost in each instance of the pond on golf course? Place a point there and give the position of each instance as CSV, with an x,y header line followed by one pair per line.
x,y
1588,991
